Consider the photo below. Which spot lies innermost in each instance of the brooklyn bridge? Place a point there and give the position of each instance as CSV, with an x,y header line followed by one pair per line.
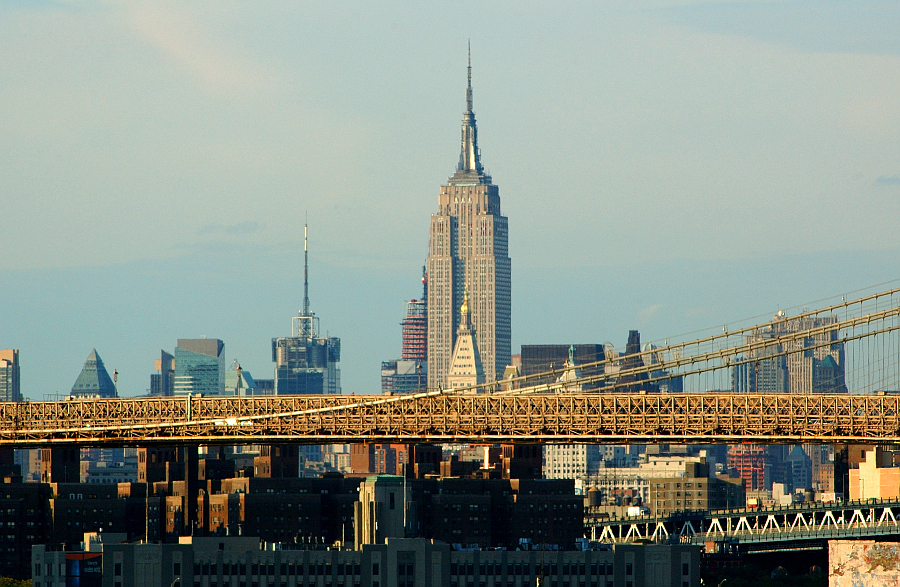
x,y
623,399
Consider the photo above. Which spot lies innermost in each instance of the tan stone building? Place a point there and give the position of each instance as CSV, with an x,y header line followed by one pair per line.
x,y
877,477
468,251
465,368
696,491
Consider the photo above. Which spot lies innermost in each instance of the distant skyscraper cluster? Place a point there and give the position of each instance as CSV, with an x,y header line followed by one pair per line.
x,y
305,362
812,364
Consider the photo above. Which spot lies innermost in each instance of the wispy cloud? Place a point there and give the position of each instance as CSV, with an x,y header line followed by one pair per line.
x,y
246,227
646,314
842,26
888,180
189,47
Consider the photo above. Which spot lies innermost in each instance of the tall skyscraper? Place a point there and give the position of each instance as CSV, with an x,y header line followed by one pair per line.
x,y
94,380
199,366
306,362
9,376
468,250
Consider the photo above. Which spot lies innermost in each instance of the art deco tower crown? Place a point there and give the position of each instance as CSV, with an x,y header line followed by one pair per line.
x,y
467,251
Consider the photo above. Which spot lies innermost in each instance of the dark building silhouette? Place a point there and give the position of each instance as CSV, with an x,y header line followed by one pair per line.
x,y
60,465
541,358
522,461
483,512
632,360
173,473
26,517
412,460
277,461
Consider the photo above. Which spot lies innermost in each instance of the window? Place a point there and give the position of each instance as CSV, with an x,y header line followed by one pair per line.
x,y
375,568
176,568
118,569
685,569
629,569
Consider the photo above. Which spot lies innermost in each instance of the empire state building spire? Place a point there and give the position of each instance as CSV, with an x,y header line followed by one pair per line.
x,y
468,266
469,155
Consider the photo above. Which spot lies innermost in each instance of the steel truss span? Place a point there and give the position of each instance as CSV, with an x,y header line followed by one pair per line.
x,y
607,418
800,523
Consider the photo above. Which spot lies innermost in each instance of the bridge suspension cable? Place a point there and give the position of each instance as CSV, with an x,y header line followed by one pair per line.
x,y
549,411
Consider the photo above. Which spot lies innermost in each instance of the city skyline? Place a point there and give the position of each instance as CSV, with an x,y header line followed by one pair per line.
x,y
703,164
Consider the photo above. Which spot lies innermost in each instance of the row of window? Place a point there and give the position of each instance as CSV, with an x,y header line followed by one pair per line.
x,y
512,569
546,583
285,569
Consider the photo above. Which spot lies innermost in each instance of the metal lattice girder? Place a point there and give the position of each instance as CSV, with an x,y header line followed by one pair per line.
x,y
606,418
809,521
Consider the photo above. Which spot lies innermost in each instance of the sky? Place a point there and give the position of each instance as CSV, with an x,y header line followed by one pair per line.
x,y
665,166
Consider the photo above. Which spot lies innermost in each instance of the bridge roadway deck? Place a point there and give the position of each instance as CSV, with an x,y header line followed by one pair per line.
x,y
441,417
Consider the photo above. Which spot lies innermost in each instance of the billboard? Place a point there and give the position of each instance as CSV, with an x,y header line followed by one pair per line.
x,y
84,569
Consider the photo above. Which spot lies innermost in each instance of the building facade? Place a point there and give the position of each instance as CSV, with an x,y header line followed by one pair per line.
x,y
205,562
697,490
9,376
199,366
571,461
468,251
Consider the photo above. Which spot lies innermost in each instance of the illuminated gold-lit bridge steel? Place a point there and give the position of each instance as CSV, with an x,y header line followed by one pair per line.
x,y
862,336
546,418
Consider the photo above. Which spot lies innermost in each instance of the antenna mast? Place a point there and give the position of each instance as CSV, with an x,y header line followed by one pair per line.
x,y
305,325
305,272
469,87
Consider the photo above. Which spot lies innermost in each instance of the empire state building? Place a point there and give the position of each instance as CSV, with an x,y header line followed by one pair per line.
x,y
468,253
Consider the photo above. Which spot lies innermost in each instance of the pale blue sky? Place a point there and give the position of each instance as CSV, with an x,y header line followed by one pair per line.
x,y
667,166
